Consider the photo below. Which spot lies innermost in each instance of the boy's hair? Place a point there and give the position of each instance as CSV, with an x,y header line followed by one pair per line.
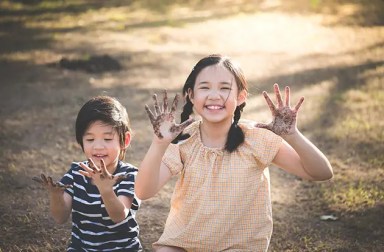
x,y
108,110
235,135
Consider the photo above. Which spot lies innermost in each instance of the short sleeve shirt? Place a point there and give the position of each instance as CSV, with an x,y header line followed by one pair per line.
x,y
221,200
92,228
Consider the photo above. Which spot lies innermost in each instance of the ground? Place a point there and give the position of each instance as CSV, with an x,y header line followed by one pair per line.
x,y
55,55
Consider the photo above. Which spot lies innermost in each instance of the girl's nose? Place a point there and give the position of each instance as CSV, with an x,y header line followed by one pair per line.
x,y
214,94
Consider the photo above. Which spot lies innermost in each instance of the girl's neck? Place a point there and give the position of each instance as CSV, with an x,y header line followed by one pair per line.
x,y
214,135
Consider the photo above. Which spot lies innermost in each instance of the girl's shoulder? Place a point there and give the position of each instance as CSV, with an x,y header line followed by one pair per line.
x,y
252,132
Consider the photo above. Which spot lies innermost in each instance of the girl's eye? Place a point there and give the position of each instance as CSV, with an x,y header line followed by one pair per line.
x,y
226,88
89,140
203,87
108,139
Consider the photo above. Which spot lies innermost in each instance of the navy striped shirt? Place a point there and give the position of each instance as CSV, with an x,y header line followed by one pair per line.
x,y
92,228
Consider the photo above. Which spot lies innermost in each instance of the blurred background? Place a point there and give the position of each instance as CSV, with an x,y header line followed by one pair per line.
x,y
55,55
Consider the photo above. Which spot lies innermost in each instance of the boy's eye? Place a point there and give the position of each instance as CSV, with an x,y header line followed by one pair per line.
x,y
108,139
226,88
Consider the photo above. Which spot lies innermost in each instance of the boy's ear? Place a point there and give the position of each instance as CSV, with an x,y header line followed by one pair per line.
x,y
127,139
242,97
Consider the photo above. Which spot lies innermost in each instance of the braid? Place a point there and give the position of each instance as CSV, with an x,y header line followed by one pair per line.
x,y
235,135
187,111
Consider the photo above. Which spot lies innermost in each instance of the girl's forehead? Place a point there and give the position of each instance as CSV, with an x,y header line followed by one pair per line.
x,y
215,73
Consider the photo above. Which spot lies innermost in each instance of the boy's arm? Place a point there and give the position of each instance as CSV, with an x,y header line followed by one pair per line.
x,y
117,206
60,202
60,205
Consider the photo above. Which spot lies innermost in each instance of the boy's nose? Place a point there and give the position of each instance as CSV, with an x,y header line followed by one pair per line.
x,y
98,145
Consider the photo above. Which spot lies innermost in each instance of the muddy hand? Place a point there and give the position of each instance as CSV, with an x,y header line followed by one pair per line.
x,y
94,172
49,183
284,117
163,119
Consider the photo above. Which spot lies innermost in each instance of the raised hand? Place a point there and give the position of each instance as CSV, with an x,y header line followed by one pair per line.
x,y
163,119
100,175
48,183
284,117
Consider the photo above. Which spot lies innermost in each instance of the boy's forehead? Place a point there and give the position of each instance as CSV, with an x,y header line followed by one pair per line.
x,y
100,126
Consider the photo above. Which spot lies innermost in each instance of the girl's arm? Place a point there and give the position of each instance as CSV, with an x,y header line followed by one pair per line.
x,y
297,154
302,158
153,174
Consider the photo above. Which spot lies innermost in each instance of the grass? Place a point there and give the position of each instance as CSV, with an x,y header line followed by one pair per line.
x,y
347,123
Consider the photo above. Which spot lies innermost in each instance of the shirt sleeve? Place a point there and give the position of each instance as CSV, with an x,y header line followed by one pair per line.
x,y
265,145
67,179
172,159
127,186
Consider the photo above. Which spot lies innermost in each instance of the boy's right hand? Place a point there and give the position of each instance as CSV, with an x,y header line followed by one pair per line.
x,y
49,184
163,119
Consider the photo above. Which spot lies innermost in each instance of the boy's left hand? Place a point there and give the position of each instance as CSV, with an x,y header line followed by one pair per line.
x,y
100,175
284,117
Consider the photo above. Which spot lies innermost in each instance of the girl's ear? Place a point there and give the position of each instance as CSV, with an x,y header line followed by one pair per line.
x,y
242,97
127,139
190,94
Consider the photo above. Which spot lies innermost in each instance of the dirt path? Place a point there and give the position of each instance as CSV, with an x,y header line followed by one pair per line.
x,y
318,53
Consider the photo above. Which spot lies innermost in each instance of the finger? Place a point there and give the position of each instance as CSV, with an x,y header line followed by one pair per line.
x,y
174,103
44,178
278,95
263,125
271,106
165,101
120,178
104,170
93,165
50,181
86,168
150,114
86,174
180,127
37,179
157,108
287,96
62,186
299,104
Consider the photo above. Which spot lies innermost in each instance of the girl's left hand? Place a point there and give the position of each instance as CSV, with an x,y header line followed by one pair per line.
x,y
100,175
284,117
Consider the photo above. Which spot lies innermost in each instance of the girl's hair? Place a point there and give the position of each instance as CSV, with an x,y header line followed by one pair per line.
x,y
108,110
235,135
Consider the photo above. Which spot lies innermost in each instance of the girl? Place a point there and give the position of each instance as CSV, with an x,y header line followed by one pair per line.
x,y
221,200
99,192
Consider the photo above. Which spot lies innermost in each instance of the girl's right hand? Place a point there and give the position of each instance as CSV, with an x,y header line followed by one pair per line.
x,y
49,184
163,119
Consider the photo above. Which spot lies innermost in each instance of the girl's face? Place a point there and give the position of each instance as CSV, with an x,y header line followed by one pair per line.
x,y
215,95
101,141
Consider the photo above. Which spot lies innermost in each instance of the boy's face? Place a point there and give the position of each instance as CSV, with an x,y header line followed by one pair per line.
x,y
101,141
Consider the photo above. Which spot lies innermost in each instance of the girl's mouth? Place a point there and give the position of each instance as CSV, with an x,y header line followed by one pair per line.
x,y
214,107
